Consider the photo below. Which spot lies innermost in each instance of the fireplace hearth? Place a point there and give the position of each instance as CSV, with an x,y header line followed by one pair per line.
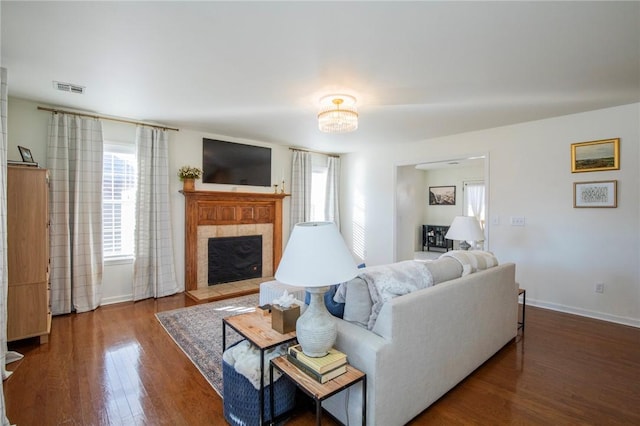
x,y
234,259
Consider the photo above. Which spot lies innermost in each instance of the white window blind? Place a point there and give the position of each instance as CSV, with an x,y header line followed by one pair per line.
x,y
118,199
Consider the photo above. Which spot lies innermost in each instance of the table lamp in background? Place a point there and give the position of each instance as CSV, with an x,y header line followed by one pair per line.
x,y
463,229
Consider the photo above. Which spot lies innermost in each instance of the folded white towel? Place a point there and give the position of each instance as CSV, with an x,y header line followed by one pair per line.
x,y
245,358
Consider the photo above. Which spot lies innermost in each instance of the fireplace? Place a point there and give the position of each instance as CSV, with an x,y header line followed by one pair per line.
x,y
214,214
234,259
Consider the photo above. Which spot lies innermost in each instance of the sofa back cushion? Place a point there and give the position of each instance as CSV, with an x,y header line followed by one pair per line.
x,y
357,308
472,260
444,269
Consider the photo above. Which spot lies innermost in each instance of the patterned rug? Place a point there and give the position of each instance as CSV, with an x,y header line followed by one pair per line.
x,y
197,330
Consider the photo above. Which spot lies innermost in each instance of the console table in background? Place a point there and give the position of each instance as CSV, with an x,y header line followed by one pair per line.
x,y
433,237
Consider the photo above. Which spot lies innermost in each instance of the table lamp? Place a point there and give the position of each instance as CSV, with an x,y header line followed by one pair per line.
x,y
463,229
316,257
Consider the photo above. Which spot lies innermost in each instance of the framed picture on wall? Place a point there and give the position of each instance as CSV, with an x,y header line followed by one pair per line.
x,y
442,195
595,194
595,156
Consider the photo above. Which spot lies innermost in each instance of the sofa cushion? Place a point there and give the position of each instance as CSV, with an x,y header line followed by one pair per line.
x,y
357,308
386,282
443,269
334,298
472,260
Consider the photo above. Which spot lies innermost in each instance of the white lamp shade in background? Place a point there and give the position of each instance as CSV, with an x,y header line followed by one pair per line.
x,y
316,257
465,228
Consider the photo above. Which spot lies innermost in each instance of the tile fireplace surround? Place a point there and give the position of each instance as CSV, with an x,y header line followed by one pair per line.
x,y
224,214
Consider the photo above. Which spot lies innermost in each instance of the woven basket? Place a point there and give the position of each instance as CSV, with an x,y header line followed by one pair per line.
x,y
242,401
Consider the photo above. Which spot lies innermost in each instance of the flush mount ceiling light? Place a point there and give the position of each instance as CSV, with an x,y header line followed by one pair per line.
x,y
338,114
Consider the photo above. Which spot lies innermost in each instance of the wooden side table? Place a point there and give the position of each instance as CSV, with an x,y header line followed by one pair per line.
x,y
319,391
522,292
256,328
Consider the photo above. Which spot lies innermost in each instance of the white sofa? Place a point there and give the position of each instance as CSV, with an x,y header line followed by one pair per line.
x,y
424,343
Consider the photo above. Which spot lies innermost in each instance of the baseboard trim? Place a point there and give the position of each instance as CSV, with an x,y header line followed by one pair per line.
x,y
116,299
584,313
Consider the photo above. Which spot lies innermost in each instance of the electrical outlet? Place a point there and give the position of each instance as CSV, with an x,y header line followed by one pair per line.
x,y
517,221
495,220
599,287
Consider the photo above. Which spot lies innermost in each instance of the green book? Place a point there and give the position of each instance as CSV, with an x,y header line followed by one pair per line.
x,y
322,364
320,378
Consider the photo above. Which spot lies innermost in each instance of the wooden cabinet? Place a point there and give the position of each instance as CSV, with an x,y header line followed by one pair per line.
x,y
433,236
28,305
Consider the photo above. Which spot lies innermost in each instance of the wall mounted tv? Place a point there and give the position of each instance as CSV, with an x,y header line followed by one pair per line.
x,y
235,163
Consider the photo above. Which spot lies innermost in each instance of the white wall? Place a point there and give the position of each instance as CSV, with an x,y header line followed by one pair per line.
x,y
28,127
562,252
411,199
443,215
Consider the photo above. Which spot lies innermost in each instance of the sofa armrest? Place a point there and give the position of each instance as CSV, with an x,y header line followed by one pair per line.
x,y
368,352
359,344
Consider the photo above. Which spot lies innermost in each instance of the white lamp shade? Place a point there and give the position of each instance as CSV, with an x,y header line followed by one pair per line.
x,y
465,228
316,256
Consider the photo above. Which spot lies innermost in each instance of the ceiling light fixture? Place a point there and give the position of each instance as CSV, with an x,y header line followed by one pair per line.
x,y
338,114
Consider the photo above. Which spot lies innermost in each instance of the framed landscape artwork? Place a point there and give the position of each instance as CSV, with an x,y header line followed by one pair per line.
x,y
25,153
595,194
442,195
595,156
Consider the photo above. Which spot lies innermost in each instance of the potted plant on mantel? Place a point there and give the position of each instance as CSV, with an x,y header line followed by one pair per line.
x,y
188,175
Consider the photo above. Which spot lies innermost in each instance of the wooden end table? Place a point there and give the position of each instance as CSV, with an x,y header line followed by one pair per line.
x,y
319,391
256,328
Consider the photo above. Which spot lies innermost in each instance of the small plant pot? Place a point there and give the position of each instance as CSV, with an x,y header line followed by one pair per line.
x,y
188,185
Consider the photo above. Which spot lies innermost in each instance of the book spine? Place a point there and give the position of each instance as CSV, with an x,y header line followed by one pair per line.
x,y
306,369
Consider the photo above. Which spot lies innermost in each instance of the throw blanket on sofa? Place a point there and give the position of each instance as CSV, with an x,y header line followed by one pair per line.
x,y
473,260
388,281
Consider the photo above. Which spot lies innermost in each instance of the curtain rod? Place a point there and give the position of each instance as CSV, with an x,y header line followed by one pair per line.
x,y
102,117
314,152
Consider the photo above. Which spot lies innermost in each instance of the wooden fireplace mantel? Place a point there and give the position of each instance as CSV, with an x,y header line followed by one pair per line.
x,y
228,208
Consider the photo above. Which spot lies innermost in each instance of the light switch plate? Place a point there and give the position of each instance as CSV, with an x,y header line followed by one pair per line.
x,y
517,221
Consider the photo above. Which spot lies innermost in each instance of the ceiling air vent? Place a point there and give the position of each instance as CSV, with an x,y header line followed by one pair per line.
x,y
68,87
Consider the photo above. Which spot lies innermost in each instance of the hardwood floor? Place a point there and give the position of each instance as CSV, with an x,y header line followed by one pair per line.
x,y
118,366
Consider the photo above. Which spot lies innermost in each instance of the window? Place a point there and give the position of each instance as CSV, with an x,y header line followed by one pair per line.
x,y
118,199
318,187
474,200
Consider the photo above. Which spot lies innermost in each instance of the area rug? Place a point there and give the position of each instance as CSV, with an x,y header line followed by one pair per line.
x,y
197,330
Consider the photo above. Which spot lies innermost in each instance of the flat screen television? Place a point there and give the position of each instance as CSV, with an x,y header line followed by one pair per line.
x,y
235,163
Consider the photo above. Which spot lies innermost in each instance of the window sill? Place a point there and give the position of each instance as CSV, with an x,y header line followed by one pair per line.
x,y
118,260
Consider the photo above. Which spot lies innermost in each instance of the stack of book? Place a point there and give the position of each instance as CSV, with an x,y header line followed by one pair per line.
x,y
322,369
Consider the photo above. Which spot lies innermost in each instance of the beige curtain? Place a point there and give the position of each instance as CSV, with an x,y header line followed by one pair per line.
x,y
301,169
74,158
4,278
153,270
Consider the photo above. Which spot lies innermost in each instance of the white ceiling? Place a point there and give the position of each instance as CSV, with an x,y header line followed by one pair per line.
x,y
256,70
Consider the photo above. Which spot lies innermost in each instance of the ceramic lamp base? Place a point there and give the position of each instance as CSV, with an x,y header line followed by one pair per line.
x,y
316,329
